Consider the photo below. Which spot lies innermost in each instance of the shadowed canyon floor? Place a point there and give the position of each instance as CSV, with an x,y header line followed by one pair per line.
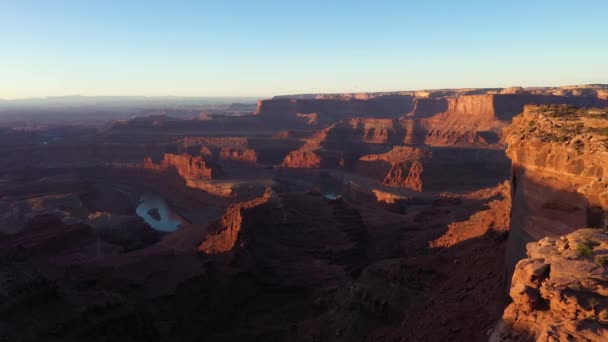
x,y
344,217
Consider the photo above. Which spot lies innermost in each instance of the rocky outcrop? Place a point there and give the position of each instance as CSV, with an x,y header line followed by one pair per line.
x,y
402,166
244,155
305,157
235,149
559,291
559,173
187,166
494,217
407,175
238,220
479,119
436,168
379,131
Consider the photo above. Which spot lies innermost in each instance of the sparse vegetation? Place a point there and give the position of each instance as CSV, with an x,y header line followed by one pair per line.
x,y
601,260
602,131
559,111
557,138
593,302
584,250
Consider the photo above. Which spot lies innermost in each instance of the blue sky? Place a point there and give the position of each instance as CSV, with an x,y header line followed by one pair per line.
x,y
263,48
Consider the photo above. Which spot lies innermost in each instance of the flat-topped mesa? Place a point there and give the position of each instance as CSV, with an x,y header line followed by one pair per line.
x,y
479,119
333,109
559,173
559,291
485,104
187,166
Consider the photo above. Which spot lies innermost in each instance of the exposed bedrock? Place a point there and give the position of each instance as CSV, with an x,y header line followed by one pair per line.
x,y
559,174
248,150
436,168
236,222
187,166
426,107
479,119
559,291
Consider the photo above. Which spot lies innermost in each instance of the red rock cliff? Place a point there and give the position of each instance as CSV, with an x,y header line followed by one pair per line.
x,y
559,174
232,227
187,166
559,291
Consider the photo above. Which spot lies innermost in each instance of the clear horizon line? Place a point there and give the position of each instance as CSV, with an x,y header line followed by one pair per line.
x,y
297,93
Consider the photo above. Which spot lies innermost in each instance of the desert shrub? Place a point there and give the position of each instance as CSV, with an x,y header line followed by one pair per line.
x,y
602,131
557,138
593,302
601,260
559,111
584,250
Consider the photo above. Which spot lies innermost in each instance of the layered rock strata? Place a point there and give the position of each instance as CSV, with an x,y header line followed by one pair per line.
x,y
559,173
559,291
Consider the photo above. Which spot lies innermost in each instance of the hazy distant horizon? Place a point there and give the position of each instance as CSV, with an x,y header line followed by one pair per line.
x,y
267,48
256,97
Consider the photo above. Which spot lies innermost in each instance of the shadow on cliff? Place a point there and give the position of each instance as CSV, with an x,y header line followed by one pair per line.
x,y
559,211
467,297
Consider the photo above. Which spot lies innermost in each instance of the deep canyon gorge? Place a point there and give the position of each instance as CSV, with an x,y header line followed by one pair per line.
x,y
431,215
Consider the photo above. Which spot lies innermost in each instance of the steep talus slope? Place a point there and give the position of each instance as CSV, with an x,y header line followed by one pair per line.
x,y
559,291
560,165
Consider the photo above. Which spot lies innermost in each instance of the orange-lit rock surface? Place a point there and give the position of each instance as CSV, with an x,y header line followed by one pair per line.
x,y
401,166
187,166
398,231
494,217
231,229
237,149
559,291
560,165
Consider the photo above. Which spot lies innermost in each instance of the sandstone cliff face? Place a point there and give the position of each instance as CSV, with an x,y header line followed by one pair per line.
x,y
244,155
559,174
187,166
305,157
402,166
559,291
479,119
236,149
427,107
407,175
230,230
365,130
